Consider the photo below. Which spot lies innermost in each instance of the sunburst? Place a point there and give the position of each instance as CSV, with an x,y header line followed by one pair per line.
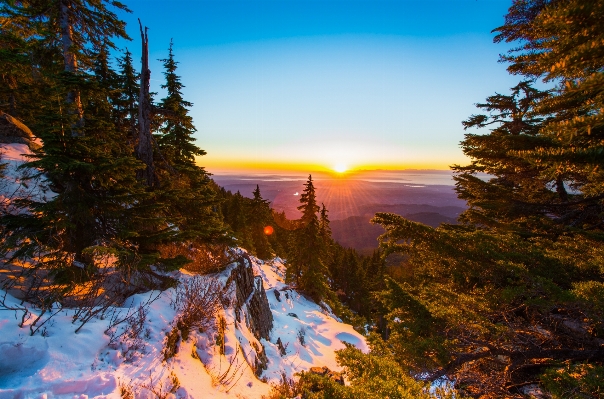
x,y
340,168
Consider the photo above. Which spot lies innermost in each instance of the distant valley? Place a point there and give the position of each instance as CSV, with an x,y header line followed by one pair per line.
x,y
352,202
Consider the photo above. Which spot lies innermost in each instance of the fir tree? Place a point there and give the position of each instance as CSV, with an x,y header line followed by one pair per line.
x,y
127,104
306,264
324,229
176,140
518,190
562,44
260,217
185,186
18,88
545,155
236,216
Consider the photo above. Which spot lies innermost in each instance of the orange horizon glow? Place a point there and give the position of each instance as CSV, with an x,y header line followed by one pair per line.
x,y
337,170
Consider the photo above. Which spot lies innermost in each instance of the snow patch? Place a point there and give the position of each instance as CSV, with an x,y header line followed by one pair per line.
x,y
95,364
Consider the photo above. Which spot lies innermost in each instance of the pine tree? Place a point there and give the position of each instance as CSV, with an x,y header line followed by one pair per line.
x,y
306,264
518,190
562,44
13,59
260,217
236,216
176,140
184,185
324,229
530,251
127,104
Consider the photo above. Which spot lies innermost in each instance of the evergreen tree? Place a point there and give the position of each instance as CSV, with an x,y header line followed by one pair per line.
x,y
15,33
185,186
325,232
306,265
235,213
99,206
477,304
176,140
562,43
260,217
518,191
127,104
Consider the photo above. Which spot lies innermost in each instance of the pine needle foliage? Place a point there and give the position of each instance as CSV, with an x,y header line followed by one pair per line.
x,y
306,264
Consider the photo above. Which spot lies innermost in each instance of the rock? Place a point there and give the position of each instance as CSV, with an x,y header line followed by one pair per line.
x,y
326,372
261,361
13,131
277,295
282,349
250,298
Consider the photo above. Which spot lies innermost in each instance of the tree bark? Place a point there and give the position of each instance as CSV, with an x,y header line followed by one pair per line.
x,y
144,148
71,64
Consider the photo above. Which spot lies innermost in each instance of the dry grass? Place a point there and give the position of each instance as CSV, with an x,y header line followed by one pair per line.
x,y
285,389
205,258
198,301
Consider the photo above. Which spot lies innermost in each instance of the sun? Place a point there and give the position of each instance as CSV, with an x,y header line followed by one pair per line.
x,y
340,168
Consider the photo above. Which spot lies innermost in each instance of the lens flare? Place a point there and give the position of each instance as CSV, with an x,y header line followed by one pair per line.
x,y
268,230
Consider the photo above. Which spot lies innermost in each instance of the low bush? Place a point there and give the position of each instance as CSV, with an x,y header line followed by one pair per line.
x,y
203,258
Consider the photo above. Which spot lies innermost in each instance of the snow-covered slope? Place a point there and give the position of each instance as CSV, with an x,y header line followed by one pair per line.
x,y
19,183
58,363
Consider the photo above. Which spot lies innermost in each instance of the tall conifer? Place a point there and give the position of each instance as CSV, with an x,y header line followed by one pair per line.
x,y
518,190
307,266
185,186
260,217
127,104
176,140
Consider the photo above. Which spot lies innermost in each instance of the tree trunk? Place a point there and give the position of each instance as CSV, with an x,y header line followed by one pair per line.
x,y
561,190
71,64
144,148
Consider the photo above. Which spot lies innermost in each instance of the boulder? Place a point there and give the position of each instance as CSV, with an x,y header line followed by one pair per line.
x,y
13,131
326,372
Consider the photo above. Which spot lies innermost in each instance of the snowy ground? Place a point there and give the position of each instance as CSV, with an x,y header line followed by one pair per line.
x,y
58,363
19,183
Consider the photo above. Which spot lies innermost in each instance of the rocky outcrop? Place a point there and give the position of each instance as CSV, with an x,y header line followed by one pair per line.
x,y
14,131
326,372
250,298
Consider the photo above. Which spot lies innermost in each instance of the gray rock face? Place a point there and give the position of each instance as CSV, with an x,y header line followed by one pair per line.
x,y
251,299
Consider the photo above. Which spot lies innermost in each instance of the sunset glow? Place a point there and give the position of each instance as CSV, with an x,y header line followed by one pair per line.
x,y
302,86
340,168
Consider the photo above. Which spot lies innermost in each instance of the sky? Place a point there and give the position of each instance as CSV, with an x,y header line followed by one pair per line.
x,y
317,85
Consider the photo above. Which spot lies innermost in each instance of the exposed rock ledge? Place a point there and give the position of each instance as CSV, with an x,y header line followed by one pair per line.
x,y
14,131
251,298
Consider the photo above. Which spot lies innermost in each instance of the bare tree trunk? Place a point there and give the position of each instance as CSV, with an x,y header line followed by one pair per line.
x,y
560,189
71,64
144,148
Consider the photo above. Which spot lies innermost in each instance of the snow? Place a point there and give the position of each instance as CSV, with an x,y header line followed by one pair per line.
x,y
293,313
62,364
20,183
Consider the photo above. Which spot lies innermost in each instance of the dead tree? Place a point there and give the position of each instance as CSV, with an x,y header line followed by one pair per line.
x,y
144,148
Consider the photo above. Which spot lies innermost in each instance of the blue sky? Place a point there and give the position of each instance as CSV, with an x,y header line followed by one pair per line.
x,y
286,84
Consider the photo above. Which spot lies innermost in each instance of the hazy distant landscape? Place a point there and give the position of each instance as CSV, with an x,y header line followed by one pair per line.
x,y
423,196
